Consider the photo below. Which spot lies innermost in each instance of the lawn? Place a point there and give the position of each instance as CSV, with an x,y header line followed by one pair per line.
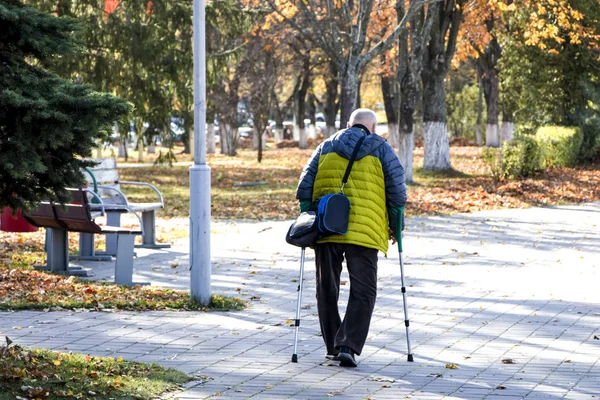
x,y
245,189
42,374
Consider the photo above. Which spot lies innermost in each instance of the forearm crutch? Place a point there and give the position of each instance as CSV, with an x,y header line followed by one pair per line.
x,y
399,229
297,322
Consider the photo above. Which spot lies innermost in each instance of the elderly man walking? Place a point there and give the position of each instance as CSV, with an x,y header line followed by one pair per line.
x,y
377,192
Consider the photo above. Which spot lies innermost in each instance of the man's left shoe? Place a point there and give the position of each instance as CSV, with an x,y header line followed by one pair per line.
x,y
346,357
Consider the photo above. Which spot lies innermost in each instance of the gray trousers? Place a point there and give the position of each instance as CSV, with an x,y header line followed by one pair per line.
x,y
362,267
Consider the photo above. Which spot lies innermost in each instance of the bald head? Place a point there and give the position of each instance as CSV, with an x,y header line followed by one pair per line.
x,y
365,117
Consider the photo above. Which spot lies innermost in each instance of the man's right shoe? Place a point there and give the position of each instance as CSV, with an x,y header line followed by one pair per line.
x,y
346,357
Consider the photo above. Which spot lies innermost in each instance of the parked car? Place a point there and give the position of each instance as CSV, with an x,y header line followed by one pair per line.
x,y
245,131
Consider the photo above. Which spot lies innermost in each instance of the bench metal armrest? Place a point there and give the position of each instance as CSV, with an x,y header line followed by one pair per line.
x,y
96,197
162,203
103,208
117,191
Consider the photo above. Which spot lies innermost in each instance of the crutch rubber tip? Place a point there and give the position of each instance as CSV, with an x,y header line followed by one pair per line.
x,y
410,358
295,358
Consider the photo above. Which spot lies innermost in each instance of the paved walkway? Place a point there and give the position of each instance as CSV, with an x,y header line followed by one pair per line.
x,y
502,304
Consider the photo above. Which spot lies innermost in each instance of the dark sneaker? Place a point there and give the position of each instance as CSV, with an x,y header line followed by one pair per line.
x,y
346,357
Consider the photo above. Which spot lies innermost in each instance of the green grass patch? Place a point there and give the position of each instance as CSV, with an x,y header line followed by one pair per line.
x,y
42,374
434,176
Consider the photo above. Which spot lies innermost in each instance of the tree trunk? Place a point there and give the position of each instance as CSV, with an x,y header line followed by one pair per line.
x,y
491,89
436,147
312,115
405,153
409,93
410,66
300,102
228,138
479,113
349,91
445,19
508,127
331,95
211,140
123,149
488,74
140,148
391,97
302,139
258,141
278,134
435,131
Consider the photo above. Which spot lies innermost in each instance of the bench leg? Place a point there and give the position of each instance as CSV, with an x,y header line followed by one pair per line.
x,y
87,249
57,249
149,237
112,219
124,259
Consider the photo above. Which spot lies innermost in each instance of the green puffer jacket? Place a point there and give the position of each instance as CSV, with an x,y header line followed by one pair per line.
x,y
376,184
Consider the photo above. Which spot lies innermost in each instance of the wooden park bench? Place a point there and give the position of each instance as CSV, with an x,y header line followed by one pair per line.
x,y
103,178
78,216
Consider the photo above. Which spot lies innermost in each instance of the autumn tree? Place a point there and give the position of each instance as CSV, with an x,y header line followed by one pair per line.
x,y
534,36
410,66
340,29
446,17
258,65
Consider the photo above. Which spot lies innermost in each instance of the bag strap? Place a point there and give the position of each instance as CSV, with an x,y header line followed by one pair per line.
x,y
351,162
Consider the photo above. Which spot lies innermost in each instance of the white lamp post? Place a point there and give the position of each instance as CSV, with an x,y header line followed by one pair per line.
x,y
200,264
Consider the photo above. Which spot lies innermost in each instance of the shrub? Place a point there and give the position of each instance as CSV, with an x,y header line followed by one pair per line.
x,y
521,157
560,145
492,158
590,145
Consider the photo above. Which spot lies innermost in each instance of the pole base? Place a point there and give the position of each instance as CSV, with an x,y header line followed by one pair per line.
x,y
410,358
294,358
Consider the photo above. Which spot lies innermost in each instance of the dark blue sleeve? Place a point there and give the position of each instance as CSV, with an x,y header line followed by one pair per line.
x,y
393,172
307,179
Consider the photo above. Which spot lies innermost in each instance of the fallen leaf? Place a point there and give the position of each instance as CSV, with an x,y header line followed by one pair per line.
x,y
451,366
508,361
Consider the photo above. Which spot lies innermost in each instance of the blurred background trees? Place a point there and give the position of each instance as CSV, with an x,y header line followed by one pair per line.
x,y
432,71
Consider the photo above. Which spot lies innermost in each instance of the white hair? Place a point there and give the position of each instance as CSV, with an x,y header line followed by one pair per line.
x,y
363,116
